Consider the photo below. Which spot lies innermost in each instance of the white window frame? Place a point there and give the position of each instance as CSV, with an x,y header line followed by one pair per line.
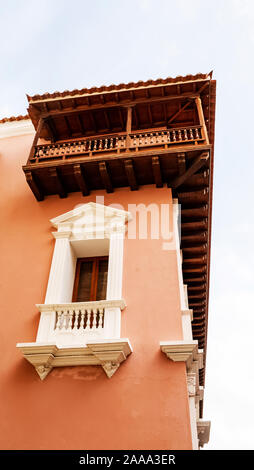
x,y
89,230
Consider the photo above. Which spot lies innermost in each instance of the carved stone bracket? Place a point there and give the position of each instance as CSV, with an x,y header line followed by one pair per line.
x,y
180,351
203,428
107,353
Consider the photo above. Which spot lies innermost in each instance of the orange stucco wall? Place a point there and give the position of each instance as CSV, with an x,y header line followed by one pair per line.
x,y
145,404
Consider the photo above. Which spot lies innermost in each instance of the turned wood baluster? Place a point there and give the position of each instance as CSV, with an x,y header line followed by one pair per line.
x,y
151,138
157,138
111,143
105,143
140,139
146,141
185,134
95,145
89,145
174,135
196,134
168,136
100,144
191,134
179,134
135,140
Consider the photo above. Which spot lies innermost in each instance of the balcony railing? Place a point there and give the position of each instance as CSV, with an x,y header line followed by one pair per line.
x,y
118,143
78,322
80,319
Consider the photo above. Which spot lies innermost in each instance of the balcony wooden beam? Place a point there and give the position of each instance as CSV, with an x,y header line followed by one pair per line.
x,y
79,175
181,162
198,163
175,115
34,186
105,177
157,172
57,182
115,104
130,173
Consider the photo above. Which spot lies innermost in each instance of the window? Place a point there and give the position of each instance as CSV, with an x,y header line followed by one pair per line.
x,y
90,279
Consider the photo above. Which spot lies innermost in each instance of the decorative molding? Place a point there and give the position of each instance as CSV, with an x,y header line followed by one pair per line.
x,y
85,305
203,428
16,128
180,351
108,353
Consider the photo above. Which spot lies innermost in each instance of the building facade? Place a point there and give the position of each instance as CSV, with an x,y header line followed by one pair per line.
x,y
106,198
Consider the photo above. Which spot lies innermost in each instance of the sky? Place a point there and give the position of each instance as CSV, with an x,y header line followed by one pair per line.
x,y
50,45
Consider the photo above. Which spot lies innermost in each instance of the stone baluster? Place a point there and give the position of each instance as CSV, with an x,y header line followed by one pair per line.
x,y
94,319
100,324
82,319
65,319
71,313
58,323
76,318
88,322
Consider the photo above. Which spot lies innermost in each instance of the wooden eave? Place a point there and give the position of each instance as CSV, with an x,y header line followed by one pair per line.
x,y
83,104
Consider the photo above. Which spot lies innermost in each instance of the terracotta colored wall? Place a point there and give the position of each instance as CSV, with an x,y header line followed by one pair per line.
x,y
145,404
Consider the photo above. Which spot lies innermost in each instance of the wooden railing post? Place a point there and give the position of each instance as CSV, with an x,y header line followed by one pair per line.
x,y
202,119
36,138
128,126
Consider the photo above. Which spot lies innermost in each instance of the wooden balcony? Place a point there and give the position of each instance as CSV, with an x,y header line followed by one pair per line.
x,y
112,160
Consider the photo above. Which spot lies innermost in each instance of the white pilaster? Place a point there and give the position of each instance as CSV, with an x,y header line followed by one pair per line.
x,y
191,380
61,278
115,268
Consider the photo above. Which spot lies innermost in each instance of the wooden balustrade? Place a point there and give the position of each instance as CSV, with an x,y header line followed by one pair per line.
x,y
116,143
80,320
